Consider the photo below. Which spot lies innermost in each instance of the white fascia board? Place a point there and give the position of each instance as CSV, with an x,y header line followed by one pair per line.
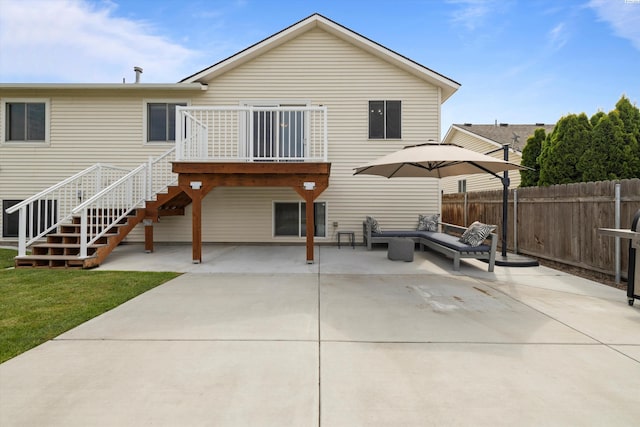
x,y
448,86
104,86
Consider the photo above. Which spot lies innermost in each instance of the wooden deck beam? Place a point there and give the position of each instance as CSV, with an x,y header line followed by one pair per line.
x,y
198,179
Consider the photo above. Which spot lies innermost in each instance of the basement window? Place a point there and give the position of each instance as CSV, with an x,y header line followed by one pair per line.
x,y
385,119
290,219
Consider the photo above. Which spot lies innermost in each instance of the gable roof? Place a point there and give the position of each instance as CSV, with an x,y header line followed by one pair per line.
x,y
448,86
503,133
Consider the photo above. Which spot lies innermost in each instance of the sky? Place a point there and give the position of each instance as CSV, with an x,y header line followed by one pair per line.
x,y
517,61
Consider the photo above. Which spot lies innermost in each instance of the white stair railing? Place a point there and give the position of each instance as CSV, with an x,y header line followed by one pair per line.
x,y
111,190
44,212
103,211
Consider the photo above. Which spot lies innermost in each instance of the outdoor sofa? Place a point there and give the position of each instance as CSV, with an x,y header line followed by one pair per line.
x,y
445,239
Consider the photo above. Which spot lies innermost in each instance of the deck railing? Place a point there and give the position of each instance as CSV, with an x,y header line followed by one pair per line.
x,y
44,212
271,134
101,194
103,211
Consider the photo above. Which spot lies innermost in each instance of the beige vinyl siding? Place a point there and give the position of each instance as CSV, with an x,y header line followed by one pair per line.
x,y
483,181
315,66
328,71
86,127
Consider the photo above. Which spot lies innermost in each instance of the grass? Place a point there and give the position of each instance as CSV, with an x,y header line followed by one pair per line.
x,y
38,305
6,257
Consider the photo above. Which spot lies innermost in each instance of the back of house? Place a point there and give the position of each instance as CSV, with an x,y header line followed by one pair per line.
x,y
315,82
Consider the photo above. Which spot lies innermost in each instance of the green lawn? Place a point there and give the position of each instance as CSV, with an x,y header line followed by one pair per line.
x,y
6,257
38,305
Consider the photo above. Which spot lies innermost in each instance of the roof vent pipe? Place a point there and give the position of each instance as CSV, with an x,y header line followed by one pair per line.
x,y
138,71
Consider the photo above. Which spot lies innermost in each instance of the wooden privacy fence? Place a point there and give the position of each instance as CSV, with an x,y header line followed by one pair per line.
x,y
558,223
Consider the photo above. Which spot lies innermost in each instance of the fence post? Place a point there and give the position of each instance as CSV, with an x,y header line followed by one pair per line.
x,y
617,239
515,221
465,208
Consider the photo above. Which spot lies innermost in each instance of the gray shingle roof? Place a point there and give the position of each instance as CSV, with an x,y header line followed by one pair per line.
x,y
503,133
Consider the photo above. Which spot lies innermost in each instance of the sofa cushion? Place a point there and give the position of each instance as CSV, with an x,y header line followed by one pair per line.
x,y
453,242
476,233
401,233
428,222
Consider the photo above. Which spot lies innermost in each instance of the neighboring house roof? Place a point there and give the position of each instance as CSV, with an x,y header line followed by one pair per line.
x,y
502,133
448,86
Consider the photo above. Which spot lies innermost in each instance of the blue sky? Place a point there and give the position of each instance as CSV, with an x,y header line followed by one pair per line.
x,y
517,61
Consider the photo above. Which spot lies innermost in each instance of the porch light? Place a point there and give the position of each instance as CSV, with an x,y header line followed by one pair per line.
x,y
309,186
195,185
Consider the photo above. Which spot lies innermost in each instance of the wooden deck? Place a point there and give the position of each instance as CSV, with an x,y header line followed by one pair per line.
x,y
197,179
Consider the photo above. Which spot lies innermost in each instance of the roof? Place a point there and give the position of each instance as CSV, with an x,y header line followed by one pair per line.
x,y
504,133
448,86
104,86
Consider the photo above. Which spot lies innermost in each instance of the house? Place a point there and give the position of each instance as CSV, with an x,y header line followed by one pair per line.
x,y
248,150
489,139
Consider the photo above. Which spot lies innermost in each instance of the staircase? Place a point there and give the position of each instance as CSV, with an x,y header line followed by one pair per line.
x,y
62,248
82,236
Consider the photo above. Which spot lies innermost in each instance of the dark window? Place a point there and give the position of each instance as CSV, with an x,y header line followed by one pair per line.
x,y
290,219
161,121
26,121
462,186
385,119
45,215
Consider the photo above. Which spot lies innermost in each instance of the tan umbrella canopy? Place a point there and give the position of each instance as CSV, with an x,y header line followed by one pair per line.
x,y
436,161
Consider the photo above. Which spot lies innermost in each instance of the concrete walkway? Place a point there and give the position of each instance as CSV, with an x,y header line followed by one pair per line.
x,y
254,336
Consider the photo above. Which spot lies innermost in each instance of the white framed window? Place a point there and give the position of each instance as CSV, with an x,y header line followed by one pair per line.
x,y
385,119
290,219
26,121
160,120
462,186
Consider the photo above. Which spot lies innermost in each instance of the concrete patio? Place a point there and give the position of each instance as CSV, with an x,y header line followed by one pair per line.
x,y
255,336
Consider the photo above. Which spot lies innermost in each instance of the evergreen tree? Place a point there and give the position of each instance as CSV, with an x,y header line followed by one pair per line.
x,y
610,155
562,150
630,116
530,154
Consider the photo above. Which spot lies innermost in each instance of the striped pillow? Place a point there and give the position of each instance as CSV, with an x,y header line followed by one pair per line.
x,y
476,233
428,222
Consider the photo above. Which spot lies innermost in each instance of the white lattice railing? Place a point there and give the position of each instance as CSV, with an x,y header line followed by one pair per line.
x,y
293,133
102,212
101,194
45,211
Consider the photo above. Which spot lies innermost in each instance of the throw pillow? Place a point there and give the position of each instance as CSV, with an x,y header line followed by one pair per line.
x,y
373,223
476,233
428,222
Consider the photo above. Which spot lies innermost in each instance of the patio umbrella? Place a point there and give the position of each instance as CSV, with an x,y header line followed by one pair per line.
x,y
433,160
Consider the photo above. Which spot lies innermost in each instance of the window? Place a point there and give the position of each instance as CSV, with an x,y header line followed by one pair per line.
x,y
44,216
25,121
290,219
385,119
462,186
161,121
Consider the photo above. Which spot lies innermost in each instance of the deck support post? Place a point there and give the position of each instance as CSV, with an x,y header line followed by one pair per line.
x,y
196,180
196,226
148,235
311,225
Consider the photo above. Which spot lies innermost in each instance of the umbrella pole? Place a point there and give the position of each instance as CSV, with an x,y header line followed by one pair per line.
x,y
505,201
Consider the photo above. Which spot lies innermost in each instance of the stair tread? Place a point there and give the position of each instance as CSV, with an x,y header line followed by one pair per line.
x,y
77,235
52,257
66,245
